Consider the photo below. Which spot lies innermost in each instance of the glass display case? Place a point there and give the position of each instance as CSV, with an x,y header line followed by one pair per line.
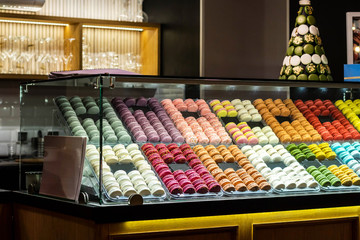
x,y
189,139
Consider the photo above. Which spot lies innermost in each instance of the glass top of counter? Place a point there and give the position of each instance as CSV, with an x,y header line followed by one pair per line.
x,y
186,138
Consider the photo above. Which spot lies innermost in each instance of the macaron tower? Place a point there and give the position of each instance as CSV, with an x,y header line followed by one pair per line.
x,y
305,57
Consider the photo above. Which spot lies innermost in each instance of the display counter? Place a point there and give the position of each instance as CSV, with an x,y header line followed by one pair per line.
x,y
330,215
251,158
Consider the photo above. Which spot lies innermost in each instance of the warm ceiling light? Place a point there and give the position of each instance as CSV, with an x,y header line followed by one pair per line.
x,y
115,28
357,49
32,22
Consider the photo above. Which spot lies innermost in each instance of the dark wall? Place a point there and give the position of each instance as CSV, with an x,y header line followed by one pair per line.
x,y
331,21
180,38
244,39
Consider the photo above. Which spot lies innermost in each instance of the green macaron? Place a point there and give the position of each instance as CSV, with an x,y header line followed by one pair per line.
x,y
313,77
335,182
309,49
310,156
295,151
311,20
300,157
311,169
325,182
298,51
301,19
302,146
322,77
292,77
302,77
290,50
322,168
291,147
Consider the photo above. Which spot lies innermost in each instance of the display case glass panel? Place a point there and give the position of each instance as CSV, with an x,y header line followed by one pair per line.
x,y
167,139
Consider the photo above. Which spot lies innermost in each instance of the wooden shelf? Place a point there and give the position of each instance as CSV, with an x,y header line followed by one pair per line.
x,y
66,20
146,42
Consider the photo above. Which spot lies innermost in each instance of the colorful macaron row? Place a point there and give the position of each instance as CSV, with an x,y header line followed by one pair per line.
x,y
185,106
85,105
301,125
346,175
246,112
165,120
194,180
113,189
241,133
317,106
338,129
116,124
294,176
141,180
276,107
347,153
223,109
146,126
301,152
323,151
215,123
286,132
257,154
350,109
244,179
325,177
204,130
113,129
265,135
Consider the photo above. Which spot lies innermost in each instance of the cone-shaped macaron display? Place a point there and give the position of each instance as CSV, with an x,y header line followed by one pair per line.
x,y
305,57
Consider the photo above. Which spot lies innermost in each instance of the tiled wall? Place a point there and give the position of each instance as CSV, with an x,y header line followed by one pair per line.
x,y
38,111
9,114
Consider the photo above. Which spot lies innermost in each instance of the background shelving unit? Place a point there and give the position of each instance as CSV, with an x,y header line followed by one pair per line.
x,y
137,39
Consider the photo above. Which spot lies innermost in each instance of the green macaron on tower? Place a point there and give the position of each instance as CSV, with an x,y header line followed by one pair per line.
x,y
305,57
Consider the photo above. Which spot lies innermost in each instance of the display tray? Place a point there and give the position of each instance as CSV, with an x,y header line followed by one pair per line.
x,y
128,167
281,119
325,118
186,114
146,119
184,166
306,163
227,120
282,165
81,117
89,182
223,166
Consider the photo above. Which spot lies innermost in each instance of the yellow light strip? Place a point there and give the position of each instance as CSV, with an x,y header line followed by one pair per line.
x,y
114,28
31,22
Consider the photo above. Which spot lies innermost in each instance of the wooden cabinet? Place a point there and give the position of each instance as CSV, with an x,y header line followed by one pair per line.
x,y
313,224
6,221
33,45
330,229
